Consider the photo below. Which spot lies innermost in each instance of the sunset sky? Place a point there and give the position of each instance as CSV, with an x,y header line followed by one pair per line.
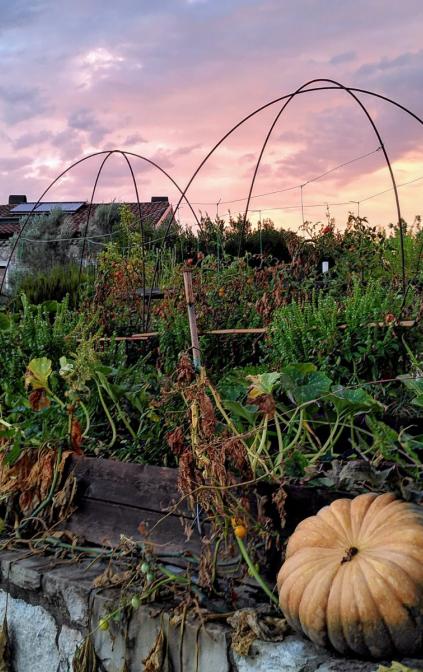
x,y
167,78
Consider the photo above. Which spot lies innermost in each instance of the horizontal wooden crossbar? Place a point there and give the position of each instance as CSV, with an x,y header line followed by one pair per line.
x,y
407,324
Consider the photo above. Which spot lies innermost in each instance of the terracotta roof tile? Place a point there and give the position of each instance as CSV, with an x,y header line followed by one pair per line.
x,y
152,212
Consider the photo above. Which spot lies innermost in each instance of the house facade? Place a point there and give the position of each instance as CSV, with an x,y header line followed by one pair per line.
x,y
13,214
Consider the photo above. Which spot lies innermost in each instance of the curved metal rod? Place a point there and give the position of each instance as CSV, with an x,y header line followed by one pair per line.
x,y
68,169
153,163
278,100
169,177
379,137
269,104
142,231
84,237
100,170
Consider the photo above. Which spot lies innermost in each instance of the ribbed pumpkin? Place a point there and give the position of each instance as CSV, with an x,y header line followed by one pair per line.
x,y
353,577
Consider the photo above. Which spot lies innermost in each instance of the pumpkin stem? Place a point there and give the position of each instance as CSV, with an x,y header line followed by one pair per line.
x,y
352,551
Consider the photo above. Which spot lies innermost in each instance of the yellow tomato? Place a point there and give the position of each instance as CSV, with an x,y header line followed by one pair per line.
x,y
240,531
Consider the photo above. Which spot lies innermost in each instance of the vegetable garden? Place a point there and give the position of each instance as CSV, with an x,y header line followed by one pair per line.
x,y
305,387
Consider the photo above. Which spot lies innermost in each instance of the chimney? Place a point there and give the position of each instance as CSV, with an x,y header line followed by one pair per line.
x,y
16,199
159,199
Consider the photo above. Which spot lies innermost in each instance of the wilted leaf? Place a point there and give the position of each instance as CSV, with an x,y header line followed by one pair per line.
x,y
262,384
37,373
111,578
66,367
85,659
38,399
76,436
157,660
249,624
4,648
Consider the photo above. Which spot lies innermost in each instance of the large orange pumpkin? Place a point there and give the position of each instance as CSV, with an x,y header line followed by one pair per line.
x,y
353,577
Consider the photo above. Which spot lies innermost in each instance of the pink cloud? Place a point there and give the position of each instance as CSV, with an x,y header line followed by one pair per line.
x,y
170,78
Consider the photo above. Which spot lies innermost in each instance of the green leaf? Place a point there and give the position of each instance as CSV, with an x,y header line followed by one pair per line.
x,y
355,400
263,383
104,370
5,322
50,306
418,401
304,383
239,411
66,367
13,454
38,372
413,384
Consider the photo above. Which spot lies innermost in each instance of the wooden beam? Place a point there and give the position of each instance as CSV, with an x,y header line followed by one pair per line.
x,y
406,324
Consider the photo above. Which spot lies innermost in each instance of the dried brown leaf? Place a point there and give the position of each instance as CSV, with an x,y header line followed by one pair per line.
x,y
158,660
175,441
279,499
38,399
111,578
249,624
85,658
205,572
207,414
4,648
76,436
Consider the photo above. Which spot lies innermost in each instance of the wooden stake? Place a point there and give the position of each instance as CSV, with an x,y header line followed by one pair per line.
x,y
189,296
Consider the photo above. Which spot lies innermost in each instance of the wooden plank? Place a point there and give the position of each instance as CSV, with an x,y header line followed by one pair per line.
x,y
154,292
235,332
103,523
138,486
406,324
192,319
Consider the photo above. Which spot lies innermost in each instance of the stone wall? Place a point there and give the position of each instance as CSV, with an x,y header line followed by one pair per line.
x,y
51,606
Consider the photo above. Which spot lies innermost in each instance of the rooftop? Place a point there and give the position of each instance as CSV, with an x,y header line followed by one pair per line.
x,y
77,211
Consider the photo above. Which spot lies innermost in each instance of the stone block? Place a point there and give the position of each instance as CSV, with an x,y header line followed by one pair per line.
x,y
67,586
295,654
32,633
68,641
23,572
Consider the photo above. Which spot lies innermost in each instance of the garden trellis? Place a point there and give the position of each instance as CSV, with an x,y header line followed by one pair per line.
x,y
311,86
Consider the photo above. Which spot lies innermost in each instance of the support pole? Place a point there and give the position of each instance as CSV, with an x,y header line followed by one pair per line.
x,y
189,296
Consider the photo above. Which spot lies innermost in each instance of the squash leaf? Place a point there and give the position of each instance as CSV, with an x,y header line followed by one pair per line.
x,y
303,382
37,373
355,400
262,384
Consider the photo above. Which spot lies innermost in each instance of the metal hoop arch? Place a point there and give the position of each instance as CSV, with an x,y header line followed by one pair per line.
x,y
381,143
249,116
78,162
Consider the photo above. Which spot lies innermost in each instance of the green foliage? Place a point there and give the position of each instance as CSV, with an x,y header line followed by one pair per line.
x,y
35,331
45,241
342,338
295,421
54,284
307,332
